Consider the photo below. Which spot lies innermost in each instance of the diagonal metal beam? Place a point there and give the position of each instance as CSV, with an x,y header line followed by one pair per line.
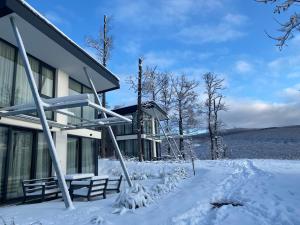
x,y
110,131
42,115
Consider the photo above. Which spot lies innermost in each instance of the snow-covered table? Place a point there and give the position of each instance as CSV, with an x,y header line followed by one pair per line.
x,y
78,176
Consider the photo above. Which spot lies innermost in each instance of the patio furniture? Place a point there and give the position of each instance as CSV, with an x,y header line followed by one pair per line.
x,y
114,184
78,176
40,188
96,186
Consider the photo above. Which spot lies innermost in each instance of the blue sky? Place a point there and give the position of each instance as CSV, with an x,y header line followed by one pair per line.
x,y
193,37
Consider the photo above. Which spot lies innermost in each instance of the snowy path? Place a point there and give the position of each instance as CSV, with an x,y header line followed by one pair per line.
x,y
269,191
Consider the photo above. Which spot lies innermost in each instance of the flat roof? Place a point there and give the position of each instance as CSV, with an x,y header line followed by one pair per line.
x,y
46,42
147,107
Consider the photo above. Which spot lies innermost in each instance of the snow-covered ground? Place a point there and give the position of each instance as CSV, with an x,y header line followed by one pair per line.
x,y
268,192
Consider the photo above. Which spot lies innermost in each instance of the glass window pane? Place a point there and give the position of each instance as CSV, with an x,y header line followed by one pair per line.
x,y
43,161
3,153
23,92
74,89
73,155
88,112
47,82
88,156
7,55
20,162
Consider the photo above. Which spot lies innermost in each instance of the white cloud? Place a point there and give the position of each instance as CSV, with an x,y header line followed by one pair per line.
x,y
258,114
157,59
291,94
236,19
145,13
229,28
242,66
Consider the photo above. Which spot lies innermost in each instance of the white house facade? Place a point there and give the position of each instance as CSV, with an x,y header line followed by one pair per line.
x,y
56,63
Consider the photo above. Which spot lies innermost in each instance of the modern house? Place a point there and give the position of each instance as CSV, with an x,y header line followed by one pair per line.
x,y
126,134
56,62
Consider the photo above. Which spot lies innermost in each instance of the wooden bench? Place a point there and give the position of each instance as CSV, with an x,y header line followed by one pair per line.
x,y
40,188
114,184
96,186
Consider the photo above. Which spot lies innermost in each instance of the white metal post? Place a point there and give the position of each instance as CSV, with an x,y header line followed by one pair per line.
x,y
41,113
110,131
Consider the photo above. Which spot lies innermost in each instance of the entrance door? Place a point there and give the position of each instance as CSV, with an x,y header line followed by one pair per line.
x,y
20,162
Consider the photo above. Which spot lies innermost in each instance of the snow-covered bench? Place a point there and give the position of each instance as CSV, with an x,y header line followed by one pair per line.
x,y
40,188
96,186
114,184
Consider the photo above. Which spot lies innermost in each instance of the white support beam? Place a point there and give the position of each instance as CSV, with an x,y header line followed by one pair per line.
x,y
111,133
41,113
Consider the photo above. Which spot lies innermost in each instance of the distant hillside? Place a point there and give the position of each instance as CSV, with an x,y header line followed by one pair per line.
x,y
271,143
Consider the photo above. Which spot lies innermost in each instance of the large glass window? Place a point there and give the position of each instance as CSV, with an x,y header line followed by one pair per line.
x,y
7,55
43,160
14,86
22,90
73,155
20,162
74,89
47,82
88,155
147,149
81,155
86,112
3,154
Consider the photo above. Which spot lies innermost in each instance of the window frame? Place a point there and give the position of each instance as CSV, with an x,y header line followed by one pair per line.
x,y
95,147
41,65
82,86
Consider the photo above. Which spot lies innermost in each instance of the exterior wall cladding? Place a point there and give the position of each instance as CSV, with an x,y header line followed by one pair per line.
x,y
23,150
127,137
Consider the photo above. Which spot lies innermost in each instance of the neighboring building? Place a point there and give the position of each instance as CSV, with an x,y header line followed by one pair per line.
x,y
57,63
127,134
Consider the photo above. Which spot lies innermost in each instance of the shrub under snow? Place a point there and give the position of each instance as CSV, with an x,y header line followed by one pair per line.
x,y
135,197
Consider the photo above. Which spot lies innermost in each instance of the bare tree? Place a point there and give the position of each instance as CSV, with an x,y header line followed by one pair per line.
x,y
102,46
214,103
139,113
151,83
287,28
185,97
166,99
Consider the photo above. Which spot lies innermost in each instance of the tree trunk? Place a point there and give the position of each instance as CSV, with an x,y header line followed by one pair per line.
x,y
168,131
210,130
180,125
139,114
104,131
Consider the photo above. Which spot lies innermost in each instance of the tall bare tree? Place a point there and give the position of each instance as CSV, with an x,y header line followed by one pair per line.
x,y
214,103
185,96
102,46
140,146
151,83
166,99
287,28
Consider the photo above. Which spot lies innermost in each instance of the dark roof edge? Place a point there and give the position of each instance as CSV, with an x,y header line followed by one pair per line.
x,y
158,107
41,23
133,108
